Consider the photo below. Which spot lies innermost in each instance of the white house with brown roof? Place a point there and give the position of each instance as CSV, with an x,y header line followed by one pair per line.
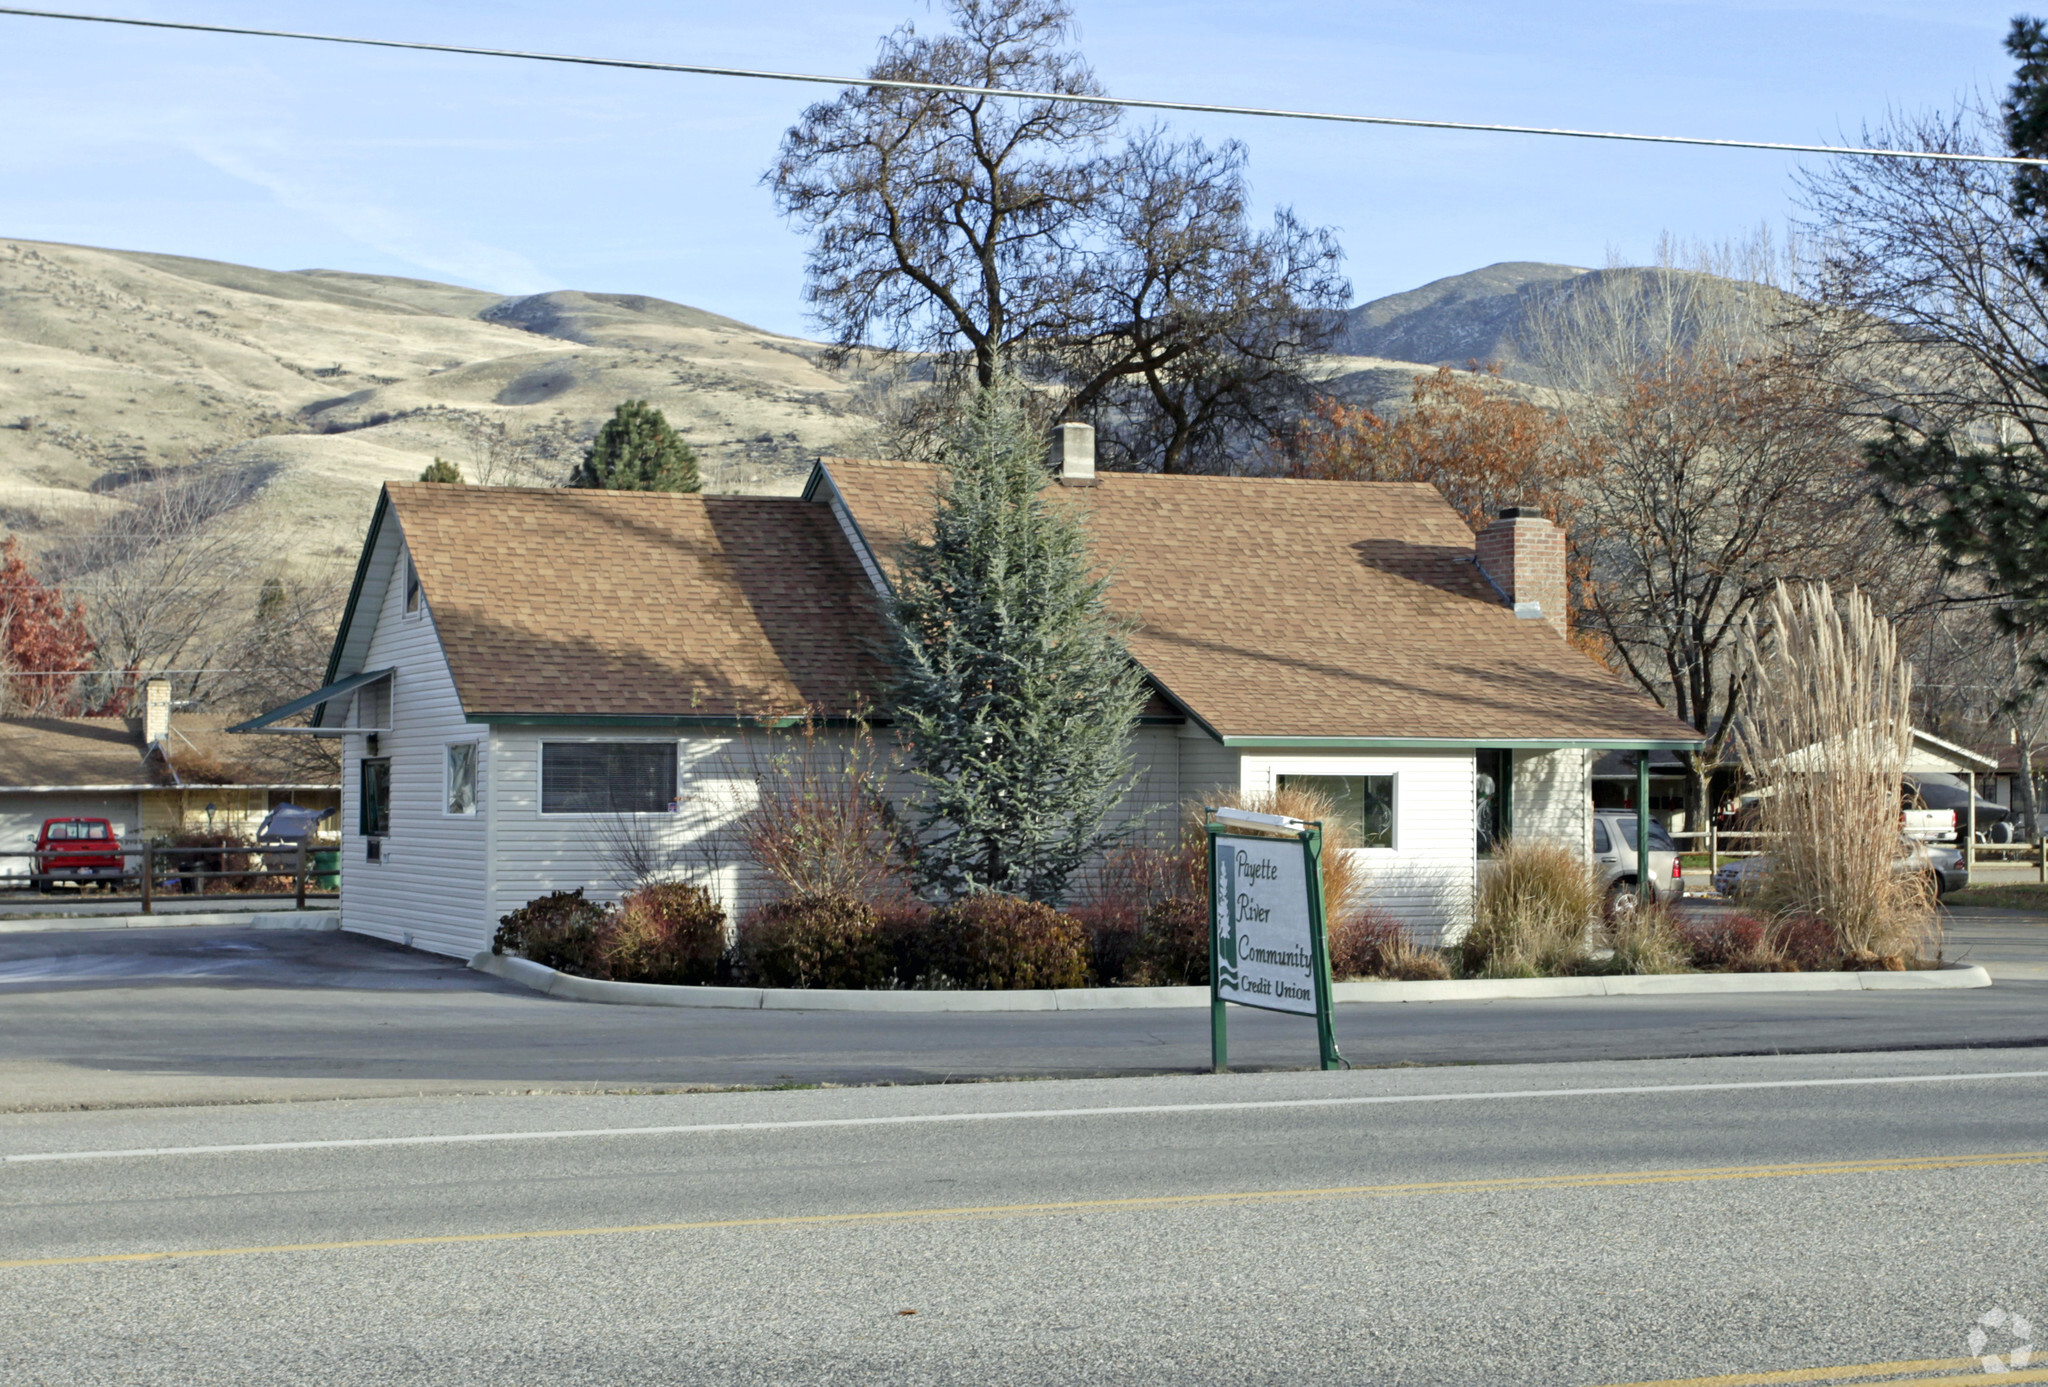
x,y
151,777
527,682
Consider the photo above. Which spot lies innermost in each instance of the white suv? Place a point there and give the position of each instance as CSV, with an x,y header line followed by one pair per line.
x,y
1614,858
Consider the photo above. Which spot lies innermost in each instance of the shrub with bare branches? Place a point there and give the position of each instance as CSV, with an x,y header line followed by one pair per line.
x,y
822,824
1373,944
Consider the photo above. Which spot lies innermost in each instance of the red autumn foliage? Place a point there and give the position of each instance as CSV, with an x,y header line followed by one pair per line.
x,y
44,645
1482,448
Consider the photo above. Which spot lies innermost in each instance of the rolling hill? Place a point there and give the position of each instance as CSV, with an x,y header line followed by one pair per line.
x,y
321,385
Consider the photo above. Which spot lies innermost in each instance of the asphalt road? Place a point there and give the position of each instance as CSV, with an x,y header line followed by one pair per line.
x,y
219,1015
1499,1225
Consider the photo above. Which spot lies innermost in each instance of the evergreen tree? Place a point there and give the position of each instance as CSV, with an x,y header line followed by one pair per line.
x,y
440,470
636,450
1986,508
1017,699
2025,112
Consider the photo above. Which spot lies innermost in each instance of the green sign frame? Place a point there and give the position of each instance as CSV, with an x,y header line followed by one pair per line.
x,y
1224,960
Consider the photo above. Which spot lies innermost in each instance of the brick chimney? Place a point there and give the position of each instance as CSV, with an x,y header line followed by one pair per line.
x,y
1522,554
1073,447
156,711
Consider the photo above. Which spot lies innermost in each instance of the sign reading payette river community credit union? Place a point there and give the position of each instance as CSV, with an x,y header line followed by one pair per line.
x,y
1266,946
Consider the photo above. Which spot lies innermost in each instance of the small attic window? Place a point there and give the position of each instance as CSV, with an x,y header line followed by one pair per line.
x,y
412,588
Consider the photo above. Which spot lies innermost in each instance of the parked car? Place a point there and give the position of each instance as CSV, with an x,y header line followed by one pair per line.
x,y
1614,857
1940,864
79,850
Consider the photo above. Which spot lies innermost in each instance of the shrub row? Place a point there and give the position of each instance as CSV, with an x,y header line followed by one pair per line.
x,y
674,933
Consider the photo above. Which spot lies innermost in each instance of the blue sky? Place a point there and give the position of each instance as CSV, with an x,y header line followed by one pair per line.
x,y
521,177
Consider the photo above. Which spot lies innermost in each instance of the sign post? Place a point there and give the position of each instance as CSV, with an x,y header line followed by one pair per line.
x,y
1268,933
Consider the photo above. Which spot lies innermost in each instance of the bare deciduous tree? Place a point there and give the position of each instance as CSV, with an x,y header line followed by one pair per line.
x,y
1922,304
1196,330
987,230
1713,471
163,568
941,219
500,455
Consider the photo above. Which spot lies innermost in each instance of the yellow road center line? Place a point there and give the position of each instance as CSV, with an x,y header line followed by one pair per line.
x,y
1904,1373
1594,1180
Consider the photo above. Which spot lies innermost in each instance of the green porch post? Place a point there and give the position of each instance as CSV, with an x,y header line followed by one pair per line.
x,y
1643,884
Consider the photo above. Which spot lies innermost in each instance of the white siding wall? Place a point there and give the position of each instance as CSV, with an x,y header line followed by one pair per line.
x,y
429,888
1150,810
1206,764
535,853
1426,879
1553,798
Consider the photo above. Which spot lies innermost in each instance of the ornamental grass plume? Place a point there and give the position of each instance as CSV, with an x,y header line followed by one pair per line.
x,y
1826,738
1345,885
1538,904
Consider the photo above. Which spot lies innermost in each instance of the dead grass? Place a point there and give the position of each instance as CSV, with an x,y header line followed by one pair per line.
x,y
1538,903
1345,888
1647,940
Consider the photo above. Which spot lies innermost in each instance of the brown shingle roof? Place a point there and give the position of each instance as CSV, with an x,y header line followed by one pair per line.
x,y
631,604
108,751
1278,608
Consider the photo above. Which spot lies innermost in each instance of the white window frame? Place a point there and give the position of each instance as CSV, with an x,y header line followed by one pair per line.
x,y
412,597
476,776
540,775
1393,779
1265,775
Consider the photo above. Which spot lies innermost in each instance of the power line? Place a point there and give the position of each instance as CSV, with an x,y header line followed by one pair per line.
x,y
1134,103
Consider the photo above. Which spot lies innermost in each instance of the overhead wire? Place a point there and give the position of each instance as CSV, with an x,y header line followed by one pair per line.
x,y
1022,94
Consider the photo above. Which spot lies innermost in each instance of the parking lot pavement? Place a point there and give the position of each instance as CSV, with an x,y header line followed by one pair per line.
x,y
200,1015
2011,945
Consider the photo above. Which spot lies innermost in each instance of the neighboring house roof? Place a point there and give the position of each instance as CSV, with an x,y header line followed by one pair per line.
x,y
1933,754
2009,760
578,605
107,754
1305,611
70,751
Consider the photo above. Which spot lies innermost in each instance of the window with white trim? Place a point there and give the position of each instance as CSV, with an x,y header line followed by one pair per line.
x,y
1363,803
607,777
413,598
461,778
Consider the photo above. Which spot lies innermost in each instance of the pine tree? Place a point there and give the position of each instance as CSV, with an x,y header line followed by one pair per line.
x,y
1017,699
441,470
636,450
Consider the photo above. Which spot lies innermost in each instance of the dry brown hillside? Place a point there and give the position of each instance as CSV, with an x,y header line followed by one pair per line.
x,y
322,385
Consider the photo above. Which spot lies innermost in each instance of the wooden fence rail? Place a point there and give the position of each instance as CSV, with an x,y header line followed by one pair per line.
x,y
159,866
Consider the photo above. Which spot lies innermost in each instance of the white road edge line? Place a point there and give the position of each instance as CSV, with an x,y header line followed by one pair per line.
x,y
1024,1114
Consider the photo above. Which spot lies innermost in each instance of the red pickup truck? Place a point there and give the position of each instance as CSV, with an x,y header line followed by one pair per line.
x,y
79,850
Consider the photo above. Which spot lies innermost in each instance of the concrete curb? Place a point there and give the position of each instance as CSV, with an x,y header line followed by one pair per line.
x,y
546,980
238,919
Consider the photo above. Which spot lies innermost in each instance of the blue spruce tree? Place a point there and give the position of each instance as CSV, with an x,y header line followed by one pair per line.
x,y
1018,698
